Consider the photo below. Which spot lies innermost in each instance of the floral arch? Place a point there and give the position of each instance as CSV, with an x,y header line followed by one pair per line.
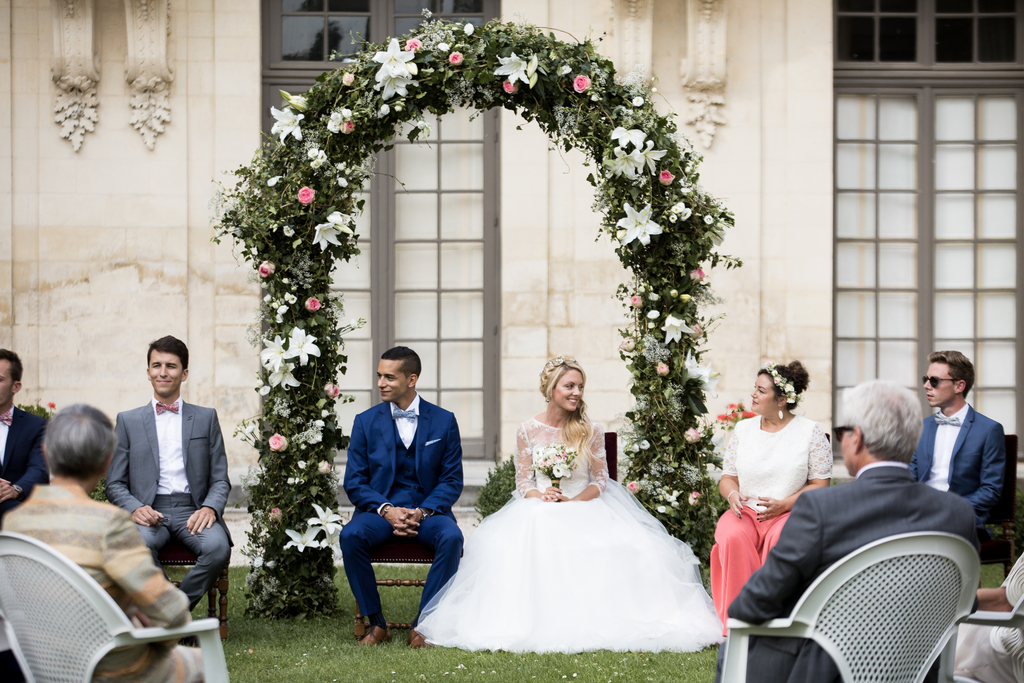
x,y
292,215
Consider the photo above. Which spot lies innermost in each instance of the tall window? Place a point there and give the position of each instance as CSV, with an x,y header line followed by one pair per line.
x,y
928,210
427,276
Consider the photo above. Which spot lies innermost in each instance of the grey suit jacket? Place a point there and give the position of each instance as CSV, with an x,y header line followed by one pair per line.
x,y
824,526
135,470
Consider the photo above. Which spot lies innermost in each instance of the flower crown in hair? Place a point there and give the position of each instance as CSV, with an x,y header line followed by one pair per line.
x,y
555,362
784,385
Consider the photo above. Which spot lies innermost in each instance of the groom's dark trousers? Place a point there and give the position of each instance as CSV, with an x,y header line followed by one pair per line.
x,y
427,474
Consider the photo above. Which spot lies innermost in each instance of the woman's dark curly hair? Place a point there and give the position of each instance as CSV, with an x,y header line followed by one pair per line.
x,y
795,374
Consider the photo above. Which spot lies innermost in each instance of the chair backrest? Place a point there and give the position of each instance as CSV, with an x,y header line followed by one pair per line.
x,y
885,611
1004,509
63,621
611,449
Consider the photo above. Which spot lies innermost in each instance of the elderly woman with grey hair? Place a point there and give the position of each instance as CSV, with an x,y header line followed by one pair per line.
x,y
103,540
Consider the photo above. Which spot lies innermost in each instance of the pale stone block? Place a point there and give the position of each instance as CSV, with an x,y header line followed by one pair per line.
x,y
558,309
71,213
524,342
114,280
234,309
524,276
235,79
201,24
526,308
24,241
169,244
519,406
25,307
521,374
597,343
232,279
809,309
58,243
562,341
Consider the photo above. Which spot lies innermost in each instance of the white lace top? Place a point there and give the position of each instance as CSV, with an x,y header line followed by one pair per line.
x,y
777,464
532,434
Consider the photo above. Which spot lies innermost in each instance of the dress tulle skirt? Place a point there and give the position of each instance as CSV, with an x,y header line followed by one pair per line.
x,y
573,577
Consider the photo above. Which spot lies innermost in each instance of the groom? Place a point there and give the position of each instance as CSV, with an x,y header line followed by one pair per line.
x,y
403,475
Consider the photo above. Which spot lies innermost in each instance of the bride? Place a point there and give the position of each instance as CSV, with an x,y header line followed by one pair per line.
x,y
574,568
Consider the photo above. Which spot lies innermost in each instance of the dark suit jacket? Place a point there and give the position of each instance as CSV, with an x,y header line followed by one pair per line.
x,y
370,471
135,470
978,465
24,464
824,526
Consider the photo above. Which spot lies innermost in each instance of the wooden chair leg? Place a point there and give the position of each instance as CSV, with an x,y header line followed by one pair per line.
x,y
360,626
222,587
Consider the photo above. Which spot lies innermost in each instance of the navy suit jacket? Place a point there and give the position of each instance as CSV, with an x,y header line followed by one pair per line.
x,y
370,471
24,464
978,465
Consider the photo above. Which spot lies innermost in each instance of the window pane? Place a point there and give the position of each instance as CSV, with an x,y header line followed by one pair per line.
x,y
408,25
954,41
416,166
302,39
964,346
954,167
897,265
898,6
355,274
462,265
996,39
416,315
855,117
997,215
855,167
897,118
459,126
855,362
954,315
954,266
897,315
462,6
429,119
363,219
462,216
897,39
344,35
897,215
357,305
997,118
897,362
468,407
855,314
412,6
997,264
1001,406
954,118
361,367
855,265
997,315
954,216
415,216
347,412
997,167
462,365
302,5
348,5
855,39
856,5
415,266
959,6
997,6
997,366
897,167
462,315
462,166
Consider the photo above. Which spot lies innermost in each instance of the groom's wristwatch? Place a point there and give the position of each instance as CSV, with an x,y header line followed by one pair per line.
x,y
21,493
425,512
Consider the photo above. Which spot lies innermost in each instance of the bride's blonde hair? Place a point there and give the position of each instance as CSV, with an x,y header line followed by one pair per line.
x,y
577,428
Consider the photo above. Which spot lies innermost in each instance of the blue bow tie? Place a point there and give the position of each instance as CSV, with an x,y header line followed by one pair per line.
x,y
408,414
941,419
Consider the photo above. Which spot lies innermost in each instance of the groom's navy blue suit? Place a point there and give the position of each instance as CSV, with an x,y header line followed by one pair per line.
x,y
427,474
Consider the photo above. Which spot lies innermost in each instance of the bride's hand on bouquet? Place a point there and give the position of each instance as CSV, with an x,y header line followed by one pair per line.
x,y
772,509
553,495
736,501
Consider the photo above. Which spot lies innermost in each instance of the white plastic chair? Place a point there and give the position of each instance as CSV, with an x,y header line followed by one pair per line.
x,y
1012,619
883,613
61,622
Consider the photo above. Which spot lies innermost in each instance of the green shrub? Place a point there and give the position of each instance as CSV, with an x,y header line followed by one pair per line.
x,y
100,492
497,490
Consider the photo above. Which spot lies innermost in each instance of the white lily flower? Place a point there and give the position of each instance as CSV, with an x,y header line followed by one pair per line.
x,y
273,356
327,233
514,67
708,378
637,161
652,156
638,225
674,329
297,102
286,122
283,377
326,520
395,73
273,181
622,163
302,346
306,540
634,135
718,234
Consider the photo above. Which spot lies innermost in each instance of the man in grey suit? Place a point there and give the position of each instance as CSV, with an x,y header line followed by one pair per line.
x,y
881,427
170,470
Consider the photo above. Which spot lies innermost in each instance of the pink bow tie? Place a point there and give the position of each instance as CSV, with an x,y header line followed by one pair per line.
x,y
8,417
161,408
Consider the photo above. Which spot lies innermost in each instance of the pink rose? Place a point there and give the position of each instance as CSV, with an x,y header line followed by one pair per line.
x,y
697,331
580,83
306,195
636,301
312,304
627,344
694,497
632,487
348,126
662,369
692,435
324,467
276,515
278,443
332,390
665,178
697,275
455,58
510,88
267,269
348,78
413,44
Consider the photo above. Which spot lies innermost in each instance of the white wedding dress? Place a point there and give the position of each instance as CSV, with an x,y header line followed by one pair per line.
x,y
568,577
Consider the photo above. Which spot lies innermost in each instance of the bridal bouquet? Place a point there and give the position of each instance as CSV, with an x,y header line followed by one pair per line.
x,y
556,462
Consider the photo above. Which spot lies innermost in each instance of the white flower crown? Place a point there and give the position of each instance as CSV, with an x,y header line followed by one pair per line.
x,y
555,362
784,385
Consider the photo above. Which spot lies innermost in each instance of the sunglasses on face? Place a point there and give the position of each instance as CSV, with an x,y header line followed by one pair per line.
x,y
840,431
934,381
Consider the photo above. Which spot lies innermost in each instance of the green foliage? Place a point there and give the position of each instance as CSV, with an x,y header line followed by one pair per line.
x,y
497,490
100,492
45,412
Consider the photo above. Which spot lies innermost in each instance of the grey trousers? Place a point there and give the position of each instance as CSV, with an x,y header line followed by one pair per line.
x,y
211,545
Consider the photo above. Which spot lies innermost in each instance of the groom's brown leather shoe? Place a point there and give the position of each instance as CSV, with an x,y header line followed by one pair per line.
x,y
417,641
375,636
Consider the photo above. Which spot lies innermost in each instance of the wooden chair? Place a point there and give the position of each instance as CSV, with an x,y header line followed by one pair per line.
x,y
408,551
1002,550
176,555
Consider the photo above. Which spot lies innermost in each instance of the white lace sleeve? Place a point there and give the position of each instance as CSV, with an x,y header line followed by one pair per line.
x,y
598,459
526,479
729,461
819,457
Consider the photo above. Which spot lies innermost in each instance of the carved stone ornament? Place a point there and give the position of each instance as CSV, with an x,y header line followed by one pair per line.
x,y
633,30
147,72
703,68
75,68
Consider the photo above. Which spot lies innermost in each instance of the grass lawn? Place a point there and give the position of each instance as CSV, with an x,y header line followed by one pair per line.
x,y
263,651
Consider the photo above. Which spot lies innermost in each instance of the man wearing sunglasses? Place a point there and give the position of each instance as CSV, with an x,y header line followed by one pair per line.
x,y
960,450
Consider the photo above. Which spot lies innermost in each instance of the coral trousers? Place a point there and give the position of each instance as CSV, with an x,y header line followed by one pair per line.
x,y
741,547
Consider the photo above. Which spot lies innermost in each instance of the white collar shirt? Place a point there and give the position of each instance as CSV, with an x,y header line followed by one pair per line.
x,y
942,455
882,463
406,426
172,460
4,431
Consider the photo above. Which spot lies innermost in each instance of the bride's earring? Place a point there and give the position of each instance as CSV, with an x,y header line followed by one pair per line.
x,y
781,416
